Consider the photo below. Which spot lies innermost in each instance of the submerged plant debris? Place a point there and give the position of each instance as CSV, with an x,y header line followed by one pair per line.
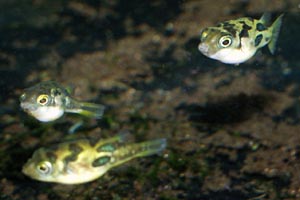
x,y
232,131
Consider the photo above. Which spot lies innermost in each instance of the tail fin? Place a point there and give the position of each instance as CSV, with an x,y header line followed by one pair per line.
x,y
275,33
91,110
128,152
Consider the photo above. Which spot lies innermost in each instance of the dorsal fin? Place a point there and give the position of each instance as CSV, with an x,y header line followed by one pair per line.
x,y
275,32
265,18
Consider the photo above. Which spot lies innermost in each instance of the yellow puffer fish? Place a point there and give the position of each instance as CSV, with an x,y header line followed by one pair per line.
x,y
82,161
236,41
48,101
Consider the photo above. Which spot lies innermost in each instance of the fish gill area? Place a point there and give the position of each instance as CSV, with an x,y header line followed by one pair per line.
x,y
232,131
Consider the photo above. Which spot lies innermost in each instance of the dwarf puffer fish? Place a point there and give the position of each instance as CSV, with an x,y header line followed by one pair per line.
x,y
236,41
48,101
82,161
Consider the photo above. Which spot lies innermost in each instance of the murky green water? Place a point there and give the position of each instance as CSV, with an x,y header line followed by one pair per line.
x,y
232,131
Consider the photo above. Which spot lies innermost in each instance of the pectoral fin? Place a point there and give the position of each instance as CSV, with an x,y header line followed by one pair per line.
x,y
90,110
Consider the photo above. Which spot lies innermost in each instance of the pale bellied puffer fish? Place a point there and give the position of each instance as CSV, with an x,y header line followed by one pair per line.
x,y
235,41
82,161
48,101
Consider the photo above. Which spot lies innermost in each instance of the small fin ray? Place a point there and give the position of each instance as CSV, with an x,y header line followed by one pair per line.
x,y
275,33
265,18
91,110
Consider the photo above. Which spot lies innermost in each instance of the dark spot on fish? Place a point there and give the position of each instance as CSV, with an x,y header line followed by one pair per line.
x,y
103,160
247,27
267,39
245,30
106,148
75,150
220,24
244,33
70,158
229,27
56,92
258,40
93,143
73,147
260,27
51,156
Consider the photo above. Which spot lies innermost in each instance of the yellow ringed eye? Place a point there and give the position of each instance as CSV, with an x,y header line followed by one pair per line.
x,y
225,41
43,99
44,167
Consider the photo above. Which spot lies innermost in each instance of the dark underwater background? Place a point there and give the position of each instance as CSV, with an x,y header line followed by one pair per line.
x,y
233,132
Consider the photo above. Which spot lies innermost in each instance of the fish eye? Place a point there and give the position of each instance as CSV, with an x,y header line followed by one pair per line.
x,y
225,41
44,167
43,99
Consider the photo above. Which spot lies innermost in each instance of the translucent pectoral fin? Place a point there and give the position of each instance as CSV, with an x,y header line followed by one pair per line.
x,y
90,110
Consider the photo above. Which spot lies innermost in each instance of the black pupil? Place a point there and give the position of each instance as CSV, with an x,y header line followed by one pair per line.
x,y
43,168
225,42
43,100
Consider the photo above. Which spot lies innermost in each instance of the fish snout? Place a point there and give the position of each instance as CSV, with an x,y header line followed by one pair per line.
x,y
27,107
203,48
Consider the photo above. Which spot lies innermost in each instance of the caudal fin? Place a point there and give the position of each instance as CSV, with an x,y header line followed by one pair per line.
x,y
128,152
275,33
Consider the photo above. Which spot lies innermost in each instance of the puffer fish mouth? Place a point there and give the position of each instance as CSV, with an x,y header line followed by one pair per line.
x,y
28,107
25,169
203,48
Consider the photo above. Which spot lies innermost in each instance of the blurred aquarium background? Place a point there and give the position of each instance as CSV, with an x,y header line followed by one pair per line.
x,y
232,131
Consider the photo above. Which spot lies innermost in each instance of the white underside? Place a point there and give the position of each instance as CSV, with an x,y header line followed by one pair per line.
x,y
75,173
78,178
233,56
47,114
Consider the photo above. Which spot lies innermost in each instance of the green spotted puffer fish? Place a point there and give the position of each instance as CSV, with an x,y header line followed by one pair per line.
x,y
48,101
82,161
236,41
